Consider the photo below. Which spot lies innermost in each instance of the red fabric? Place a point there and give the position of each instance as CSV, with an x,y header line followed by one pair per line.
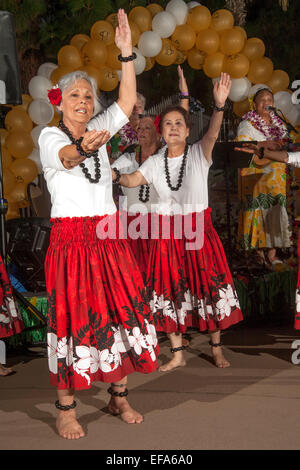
x,y
297,316
11,322
191,288
141,246
99,323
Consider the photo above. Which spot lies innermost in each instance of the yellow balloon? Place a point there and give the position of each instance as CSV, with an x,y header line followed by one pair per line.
x,y
24,169
103,31
150,62
18,120
13,211
241,107
180,57
9,180
3,136
142,17
58,73
113,19
94,53
135,32
18,195
184,37
261,70
7,159
237,65
108,78
112,60
208,41
254,49
279,81
213,64
232,41
199,18
92,72
79,40
167,53
26,100
154,8
196,59
221,20
239,28
69,56
19,144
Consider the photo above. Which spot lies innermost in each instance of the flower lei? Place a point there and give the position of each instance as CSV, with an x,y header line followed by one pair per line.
x,y
275,131
128,135
54,95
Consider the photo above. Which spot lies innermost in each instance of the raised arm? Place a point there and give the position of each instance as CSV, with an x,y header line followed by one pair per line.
x,y
127,90
221,92
183,88
131,180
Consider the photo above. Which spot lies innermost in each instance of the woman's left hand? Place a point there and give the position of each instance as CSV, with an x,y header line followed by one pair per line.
x,y
183,88
222,89
123,34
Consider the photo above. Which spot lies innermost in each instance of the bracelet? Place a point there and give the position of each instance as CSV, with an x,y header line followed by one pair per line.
x,y
118,175
216,108
184,93
81,152
127,59
184,97
261,153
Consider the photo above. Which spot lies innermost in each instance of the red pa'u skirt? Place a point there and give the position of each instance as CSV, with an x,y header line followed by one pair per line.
x,y
191,287
139,235
11,322
99,323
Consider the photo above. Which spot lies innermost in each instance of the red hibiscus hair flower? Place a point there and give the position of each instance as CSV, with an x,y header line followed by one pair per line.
x,y
54,96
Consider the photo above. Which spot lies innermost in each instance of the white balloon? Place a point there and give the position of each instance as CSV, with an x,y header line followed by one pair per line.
x,y
35,157
119,72
164,24
293,115
41,112
46,69
38,87
35,133
149,44
239,89
179,9
255,88
139,62
283,101
193,4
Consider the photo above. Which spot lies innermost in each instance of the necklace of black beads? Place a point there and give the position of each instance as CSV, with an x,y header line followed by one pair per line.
x,y
143,198
181,170
94,154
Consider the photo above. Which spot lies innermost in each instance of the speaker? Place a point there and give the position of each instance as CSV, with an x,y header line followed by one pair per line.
x,y
10,86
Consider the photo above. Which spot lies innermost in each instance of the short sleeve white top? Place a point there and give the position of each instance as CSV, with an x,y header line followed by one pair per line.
x,y
72,195
193,193
294,159
127,163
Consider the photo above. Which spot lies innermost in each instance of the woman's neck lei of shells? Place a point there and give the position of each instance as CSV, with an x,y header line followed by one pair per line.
x,y
275,131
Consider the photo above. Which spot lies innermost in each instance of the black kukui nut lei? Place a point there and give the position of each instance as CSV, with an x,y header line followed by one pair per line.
x,y
181,170
94,154
143,198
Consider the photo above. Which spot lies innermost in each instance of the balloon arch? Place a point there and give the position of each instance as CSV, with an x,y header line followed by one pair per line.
x,y
182,32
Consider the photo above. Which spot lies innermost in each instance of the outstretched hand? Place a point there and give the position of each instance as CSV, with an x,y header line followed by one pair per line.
x,y
183,88
123,34
255,148
222,89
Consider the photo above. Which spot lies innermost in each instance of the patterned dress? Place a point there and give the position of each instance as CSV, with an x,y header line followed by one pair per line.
x,y
263,221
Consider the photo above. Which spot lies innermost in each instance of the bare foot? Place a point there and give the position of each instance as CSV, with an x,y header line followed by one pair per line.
x,y
120,407
5,371
219,358
173,364
68,426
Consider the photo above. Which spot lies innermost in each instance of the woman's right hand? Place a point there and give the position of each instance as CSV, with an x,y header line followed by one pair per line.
x,y
93,140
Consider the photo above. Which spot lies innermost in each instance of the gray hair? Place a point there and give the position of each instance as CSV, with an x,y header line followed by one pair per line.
x,y
142,98
68,80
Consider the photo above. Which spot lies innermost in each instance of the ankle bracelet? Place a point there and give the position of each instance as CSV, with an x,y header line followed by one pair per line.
x,y
65,407
118,394
180,348
215,345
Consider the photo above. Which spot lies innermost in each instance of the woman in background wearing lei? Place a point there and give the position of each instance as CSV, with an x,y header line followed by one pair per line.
x,y
99,323
189,281
263,222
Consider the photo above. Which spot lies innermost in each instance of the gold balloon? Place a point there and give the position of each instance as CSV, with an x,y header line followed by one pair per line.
x,y
279,81
237,65
26,100
94,53
13,211
7,159
184,37
232,41
199,18
142,17
9,180
3,136
18,120
24,169
213,64
208,41
180,57
150,62
239,28
92,72
254,49
108,78
112,60
113,19
58,73
19,144
196,59
241,107
103,31
18,195
167,53
79,40
261,70
135,32
154,8
221,20
69,56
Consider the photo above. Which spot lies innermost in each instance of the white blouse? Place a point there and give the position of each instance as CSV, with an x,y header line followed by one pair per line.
x,y
72,195
127,163
294,159
193,193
